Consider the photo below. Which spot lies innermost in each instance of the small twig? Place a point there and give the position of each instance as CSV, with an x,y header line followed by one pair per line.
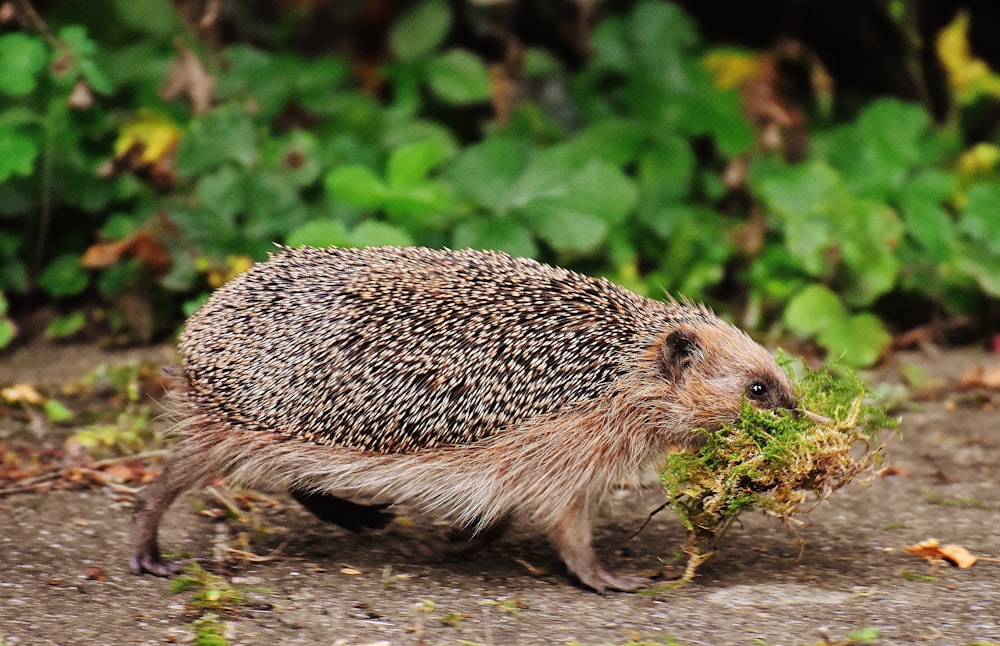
x,y
157,453
227,503
32,19
665,504
252,557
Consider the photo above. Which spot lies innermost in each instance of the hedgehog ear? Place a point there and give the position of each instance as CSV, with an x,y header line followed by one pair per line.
x,y
678,352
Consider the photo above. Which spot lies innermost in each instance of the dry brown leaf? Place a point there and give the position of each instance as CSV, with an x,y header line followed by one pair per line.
x,y
932,550
188,76
980,377
141,245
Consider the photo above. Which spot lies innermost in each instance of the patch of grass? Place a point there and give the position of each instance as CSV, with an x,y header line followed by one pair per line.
x,y
934,498
209,631
212,592
772,460
511,606
914,576
452,618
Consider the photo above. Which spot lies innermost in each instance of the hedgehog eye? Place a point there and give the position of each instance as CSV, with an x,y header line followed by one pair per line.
x,y
757,390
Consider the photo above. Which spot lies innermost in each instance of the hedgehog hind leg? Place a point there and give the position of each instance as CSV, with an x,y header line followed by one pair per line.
x,y
345,513
188,466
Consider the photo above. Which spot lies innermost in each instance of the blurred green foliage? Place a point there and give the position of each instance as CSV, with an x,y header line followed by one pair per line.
x,y
616,168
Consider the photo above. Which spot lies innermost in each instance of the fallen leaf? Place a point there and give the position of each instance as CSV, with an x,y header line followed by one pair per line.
x,y
979,376
350,570
95,574
22,394
931,550
532,569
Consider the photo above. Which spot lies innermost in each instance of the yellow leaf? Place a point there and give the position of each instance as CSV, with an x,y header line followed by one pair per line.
x,y
729,68
154,133
23,394
968,76
981,158
235,265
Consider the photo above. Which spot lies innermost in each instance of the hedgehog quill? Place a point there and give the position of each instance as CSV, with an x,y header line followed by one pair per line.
x,y
476,386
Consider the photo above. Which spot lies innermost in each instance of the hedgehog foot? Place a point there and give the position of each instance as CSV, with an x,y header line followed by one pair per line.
x,y
572,538
463,540
349,515
149,561
186,467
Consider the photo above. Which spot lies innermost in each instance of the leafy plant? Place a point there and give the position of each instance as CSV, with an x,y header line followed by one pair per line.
x,y
645,162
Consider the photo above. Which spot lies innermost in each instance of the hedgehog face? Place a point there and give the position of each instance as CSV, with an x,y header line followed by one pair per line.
x,y
715,368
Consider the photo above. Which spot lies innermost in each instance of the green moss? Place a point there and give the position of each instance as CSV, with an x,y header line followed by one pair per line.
x,y
772,460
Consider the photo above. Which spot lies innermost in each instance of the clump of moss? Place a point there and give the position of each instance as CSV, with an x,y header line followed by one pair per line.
x,y
773,460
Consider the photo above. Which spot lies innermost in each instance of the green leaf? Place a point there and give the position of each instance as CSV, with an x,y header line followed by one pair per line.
x,y
794,191
420,30
872,279
266,195
18,152
294,156
409,164
459,77
983,266
413,130
372,233
660,25
615,141
980,218
813,310
421,200
64,326
600,190
222,191
3,305
355,185
223,134
64,276
7,332
75,37
566,231
495,233
114,280
22,59
859,340
56,411
926,220
667,171
484,173
546,174
876,153
318,233
155,18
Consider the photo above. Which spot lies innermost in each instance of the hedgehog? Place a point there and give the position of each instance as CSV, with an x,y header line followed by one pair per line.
x,y
472,385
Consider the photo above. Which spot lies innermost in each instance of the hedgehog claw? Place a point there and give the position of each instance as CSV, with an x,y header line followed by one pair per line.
x,y
145,561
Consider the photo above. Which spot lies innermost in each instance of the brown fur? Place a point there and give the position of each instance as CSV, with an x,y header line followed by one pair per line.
x,y
550,469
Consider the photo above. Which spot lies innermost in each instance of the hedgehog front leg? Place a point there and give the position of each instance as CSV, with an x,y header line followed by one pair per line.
x,y
572,537
187,467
